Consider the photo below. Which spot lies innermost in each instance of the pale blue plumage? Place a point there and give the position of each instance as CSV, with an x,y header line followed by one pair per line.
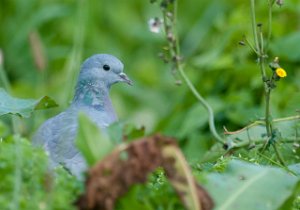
x,y
57,135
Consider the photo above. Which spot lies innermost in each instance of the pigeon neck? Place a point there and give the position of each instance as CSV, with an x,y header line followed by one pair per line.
x,y
93,94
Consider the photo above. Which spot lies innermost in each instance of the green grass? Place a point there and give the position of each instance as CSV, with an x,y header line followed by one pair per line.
x,y
224,72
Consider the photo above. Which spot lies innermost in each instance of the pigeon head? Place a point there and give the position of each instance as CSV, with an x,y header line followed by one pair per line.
x,y
103,69
96,76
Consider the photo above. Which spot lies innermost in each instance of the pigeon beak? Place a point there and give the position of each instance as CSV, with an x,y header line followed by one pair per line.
x,y
125,78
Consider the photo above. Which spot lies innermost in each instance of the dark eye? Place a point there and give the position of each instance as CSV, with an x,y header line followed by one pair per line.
x,y
106,67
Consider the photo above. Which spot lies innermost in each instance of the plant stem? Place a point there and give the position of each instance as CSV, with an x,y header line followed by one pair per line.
x,y
275,163
262,122
204,103
296,117
259,43
254,24
262,141
269,159
251,46
176,56
267,113
278,154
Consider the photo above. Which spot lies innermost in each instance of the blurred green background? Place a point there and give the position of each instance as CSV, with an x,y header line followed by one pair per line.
x,y
45,42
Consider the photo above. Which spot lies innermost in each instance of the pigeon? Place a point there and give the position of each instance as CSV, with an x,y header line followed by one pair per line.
x,y
57,135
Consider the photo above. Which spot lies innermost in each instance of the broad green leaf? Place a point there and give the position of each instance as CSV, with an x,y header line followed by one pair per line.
x,y
93,143
115,132
196,117
287,46
295,168
247,186
293,202
23,107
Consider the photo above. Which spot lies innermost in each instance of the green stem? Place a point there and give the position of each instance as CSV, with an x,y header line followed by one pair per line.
x,y
263,122
261,60
261,141
261,38
275,163
267,92
175,52
269,159
251,46
296,117
259,47
254,24
267,113
204,103
259,43
278,154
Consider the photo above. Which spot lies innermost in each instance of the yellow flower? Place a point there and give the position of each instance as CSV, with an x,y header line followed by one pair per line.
x,y
281,72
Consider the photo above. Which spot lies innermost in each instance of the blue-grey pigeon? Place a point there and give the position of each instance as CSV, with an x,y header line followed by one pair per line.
x,y
57,135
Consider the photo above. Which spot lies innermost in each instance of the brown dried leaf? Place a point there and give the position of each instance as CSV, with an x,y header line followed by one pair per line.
x,y
112,177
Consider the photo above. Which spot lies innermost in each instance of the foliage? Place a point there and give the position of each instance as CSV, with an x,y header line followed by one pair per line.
x,y
44,42
241,181
26,183
156,194
22,107
93,144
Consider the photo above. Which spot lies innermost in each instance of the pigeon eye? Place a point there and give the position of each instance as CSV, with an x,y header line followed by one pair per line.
x,y
106,67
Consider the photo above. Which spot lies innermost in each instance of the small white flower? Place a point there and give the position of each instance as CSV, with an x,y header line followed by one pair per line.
x,y
155,25
280,2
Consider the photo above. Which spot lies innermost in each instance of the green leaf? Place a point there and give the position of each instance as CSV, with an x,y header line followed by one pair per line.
x,y
131,132
247,186
192,121
293,201
23,107
118,132
93,143
295,168
115,132
287,46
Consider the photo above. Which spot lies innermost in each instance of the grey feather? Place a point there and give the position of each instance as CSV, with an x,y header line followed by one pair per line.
x,y
57,135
